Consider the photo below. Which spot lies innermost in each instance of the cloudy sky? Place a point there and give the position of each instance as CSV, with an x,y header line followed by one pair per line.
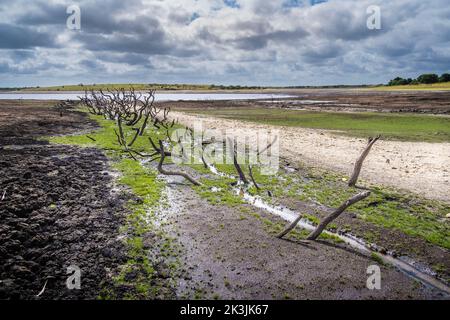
x,y
246,42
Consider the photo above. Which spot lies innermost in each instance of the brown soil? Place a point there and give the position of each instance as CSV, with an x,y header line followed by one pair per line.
x,y
229,254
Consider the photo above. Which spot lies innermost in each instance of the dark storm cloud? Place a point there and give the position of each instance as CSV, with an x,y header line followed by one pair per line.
x,y
43,13
91,64
96,17
258,40
4,67
342,24
17,37
321,54
261,41
132,59
21,55
150,42
19,69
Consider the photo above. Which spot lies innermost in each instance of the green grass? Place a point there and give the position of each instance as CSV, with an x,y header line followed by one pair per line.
x,y
105,138
426,87
377,258
140,180
143,183
385,207
404,127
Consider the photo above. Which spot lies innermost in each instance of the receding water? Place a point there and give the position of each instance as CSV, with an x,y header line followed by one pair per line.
x,y
158,96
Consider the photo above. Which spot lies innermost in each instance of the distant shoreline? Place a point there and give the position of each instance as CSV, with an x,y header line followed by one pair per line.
x,y
231,89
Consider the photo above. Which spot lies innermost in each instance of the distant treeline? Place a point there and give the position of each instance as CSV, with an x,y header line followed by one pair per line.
x,y
427,78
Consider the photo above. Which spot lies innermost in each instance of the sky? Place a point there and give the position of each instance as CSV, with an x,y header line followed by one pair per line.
x,y
239,42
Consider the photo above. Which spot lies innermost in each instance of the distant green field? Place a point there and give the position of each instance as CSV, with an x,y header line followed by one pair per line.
x,y
405,127
435,86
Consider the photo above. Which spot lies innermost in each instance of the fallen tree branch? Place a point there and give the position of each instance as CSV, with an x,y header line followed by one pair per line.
x,y
290,227
268,146
325,222
173,173
241,174
250,173
135,136
360,161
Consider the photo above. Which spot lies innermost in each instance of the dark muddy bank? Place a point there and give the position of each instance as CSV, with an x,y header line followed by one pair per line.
x,y
23,122
57,208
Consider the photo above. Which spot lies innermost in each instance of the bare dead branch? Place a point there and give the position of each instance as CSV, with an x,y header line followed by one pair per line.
x,y
173,173
233,151
360,161
325,222
268,146
250,172
290,227
135,137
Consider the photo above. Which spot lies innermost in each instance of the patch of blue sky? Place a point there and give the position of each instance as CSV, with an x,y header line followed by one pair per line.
x,y
231,3
301,3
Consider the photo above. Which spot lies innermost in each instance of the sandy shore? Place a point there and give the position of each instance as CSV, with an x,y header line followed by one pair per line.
x,y
419,167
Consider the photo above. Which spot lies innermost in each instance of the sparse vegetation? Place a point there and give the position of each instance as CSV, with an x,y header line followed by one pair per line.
x,y
143,183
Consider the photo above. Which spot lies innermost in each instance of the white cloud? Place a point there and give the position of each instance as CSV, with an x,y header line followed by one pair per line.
x,y
255,42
